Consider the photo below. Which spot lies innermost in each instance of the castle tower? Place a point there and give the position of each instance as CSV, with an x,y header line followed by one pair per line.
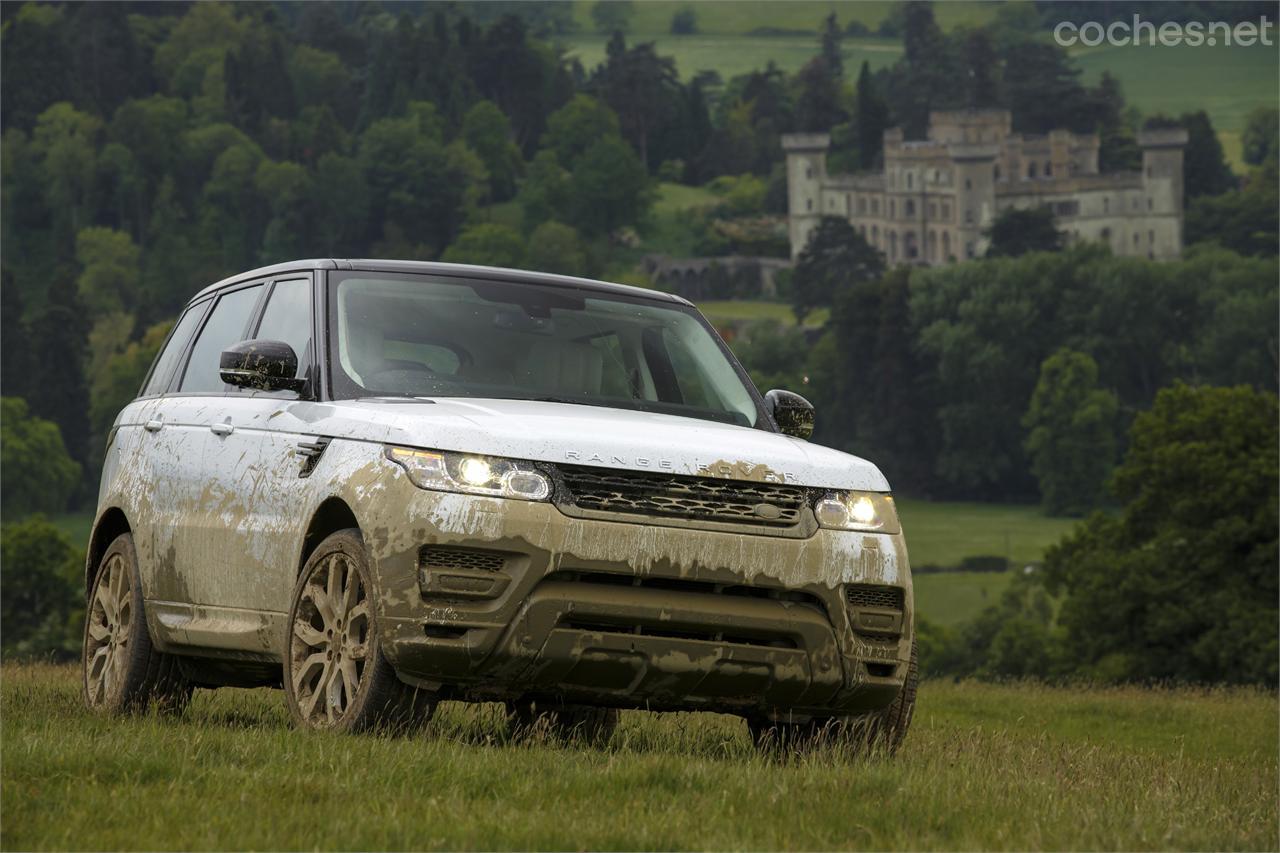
x,y
975,167
806,169
1162,182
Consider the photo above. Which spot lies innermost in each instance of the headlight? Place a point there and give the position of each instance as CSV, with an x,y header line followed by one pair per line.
x,y
472,475
870,511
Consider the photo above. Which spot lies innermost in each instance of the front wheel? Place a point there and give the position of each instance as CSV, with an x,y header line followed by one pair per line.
x,y
335,675
120,669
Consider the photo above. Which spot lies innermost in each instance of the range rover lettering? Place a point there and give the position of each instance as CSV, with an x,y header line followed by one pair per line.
x,y
383,484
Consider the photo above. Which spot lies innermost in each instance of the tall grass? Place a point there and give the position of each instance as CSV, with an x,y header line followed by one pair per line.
x,y
985,766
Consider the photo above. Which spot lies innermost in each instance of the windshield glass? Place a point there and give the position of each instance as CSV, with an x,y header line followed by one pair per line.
x,y
426,336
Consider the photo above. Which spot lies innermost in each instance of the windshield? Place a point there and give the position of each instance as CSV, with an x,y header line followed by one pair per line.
x,y
427,336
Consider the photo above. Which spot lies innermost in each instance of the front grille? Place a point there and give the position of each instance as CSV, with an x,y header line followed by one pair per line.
x,y
869,595
441,557
684,497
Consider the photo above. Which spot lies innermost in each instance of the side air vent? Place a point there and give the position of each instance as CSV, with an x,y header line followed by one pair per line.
x,y
474,559
870,595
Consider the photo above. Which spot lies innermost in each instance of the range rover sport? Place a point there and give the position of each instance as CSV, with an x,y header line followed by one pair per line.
x,y
382,484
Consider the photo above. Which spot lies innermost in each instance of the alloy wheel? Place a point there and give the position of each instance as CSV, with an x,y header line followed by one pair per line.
x,y
329,647
110,620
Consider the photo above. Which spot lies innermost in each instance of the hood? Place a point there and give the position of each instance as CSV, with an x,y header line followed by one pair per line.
x,y
597,436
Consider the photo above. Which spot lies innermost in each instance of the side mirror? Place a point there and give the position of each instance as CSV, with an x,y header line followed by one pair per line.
x,y
261,365
793,413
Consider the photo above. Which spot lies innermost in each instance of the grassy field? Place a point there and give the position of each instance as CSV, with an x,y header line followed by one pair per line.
x,y
653,17
738,310
989,767
950,598
941,533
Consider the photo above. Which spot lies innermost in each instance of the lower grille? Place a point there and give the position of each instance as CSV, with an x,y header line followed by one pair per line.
x,y
870,595
685,497
442,557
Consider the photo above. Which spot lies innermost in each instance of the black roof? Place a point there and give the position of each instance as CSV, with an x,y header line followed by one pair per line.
x,y
452,270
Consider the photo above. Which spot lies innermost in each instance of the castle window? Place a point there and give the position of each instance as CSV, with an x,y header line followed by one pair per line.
x,y
1135,238
946,244
893,209
933,210
996,173
1105,234
968,184
968,249
848,204
862,204
893,245
946,210
1135,204
1031,170
911,208
1048,169
908,180
808,204
1151,236
1148,202
1151,173
1106,205
968,216
909,247
875,234
875,205
808,172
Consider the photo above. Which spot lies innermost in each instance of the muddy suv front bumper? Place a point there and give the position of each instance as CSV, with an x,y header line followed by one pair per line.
x,y
493,599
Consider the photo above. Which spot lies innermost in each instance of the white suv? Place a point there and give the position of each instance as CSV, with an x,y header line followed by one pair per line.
x,y
380,484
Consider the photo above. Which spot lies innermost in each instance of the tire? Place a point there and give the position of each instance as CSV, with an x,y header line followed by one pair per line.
x,y
883,730
121,671
583,723
335,674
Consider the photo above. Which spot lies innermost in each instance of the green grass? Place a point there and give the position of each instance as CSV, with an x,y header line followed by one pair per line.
x,y
950,598
673,198
749,310
941,533
653,17
1226,82
984,767
731,55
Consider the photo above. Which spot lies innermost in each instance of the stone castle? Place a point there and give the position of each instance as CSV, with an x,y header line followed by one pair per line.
x,y
935,197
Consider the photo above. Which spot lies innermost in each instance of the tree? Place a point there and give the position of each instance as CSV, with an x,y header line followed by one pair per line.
x,y
110,276
39,474
1071,438
835,258
117,381
1260,139
1182,584
489,245
487,132
573,128
39,594
1246,220
555,247
872,118
1205,170
1015,232
608,188
684,22
56,382
612,16
1043,91
546,191
642,88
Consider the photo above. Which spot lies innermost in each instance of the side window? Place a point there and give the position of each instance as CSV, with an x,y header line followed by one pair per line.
x,y
694,389
167,360
225,327
287,318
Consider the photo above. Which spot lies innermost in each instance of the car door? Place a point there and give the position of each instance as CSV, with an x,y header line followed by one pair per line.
x,y
187,514
138,462
255,474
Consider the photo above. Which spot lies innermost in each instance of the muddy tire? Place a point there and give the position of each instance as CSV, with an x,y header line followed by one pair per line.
x,y
882,731
335,674
582,723
121,671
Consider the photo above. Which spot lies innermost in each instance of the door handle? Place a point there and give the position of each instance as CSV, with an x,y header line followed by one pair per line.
x,y
221,429
153,425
